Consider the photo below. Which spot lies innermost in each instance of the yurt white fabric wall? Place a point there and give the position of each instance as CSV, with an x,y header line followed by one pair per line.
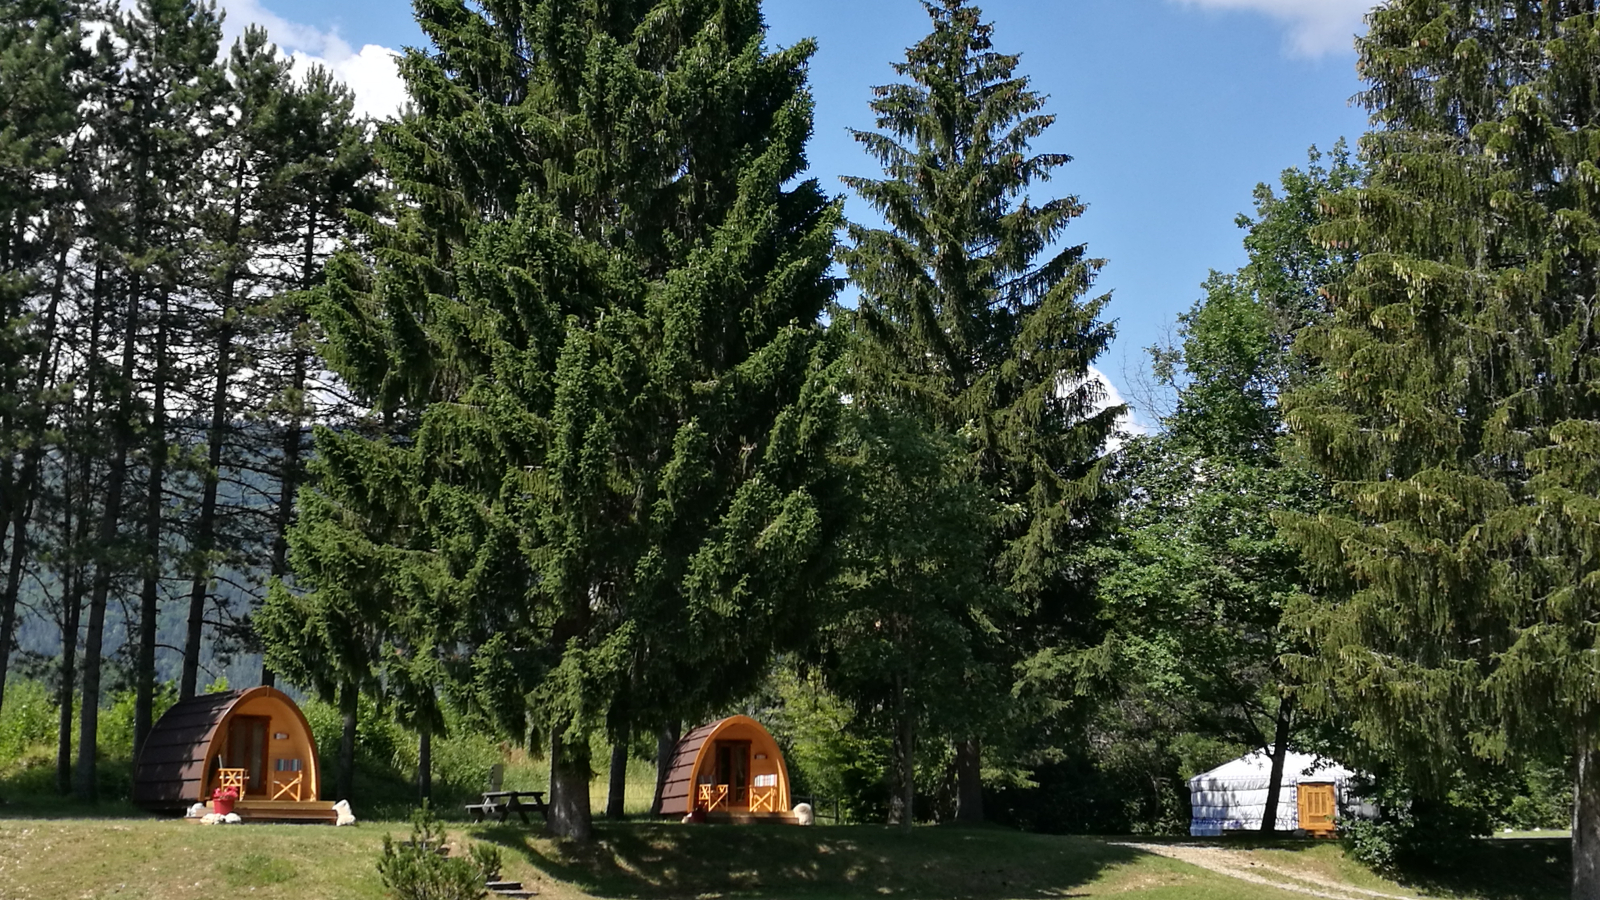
x,y
1233,796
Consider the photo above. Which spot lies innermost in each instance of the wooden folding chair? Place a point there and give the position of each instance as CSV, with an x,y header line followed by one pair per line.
x,y
288,779
763,799
233,778
713,796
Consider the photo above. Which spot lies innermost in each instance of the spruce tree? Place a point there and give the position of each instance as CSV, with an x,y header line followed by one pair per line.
x,y
972,316
1460,421
592,339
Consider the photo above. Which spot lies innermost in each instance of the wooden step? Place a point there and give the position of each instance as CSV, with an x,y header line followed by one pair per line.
x,y
508,889
286,811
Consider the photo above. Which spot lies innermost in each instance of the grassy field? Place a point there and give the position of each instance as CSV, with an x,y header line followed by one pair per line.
x,y
136,858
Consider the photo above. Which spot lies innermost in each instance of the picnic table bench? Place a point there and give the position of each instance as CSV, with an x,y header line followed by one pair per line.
x,y
503,803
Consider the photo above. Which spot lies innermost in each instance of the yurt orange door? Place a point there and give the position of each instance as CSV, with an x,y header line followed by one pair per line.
x,y
1317,802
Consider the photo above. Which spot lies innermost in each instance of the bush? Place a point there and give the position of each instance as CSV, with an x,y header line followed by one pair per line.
x,y
1375,845
27,722
415,870
828,753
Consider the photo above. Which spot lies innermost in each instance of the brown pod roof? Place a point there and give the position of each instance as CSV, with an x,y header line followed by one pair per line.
x,y
680,776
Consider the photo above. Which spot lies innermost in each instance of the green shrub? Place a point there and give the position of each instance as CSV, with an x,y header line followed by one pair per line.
x,y
115,729
462,759
28,721
415,870
1375,845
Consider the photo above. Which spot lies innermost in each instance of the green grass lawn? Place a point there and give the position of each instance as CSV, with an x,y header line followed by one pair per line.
x,y
135,858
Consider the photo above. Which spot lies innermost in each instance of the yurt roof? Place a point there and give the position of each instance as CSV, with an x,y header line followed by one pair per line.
x,y
1254,770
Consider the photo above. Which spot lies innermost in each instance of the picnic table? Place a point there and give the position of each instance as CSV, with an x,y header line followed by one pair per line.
x,y
503,803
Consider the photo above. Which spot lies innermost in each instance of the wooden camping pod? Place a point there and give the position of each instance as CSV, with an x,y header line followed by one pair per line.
x,y
259,730
735,762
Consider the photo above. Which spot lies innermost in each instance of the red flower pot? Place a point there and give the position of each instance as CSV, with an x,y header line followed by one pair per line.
x,y
222,801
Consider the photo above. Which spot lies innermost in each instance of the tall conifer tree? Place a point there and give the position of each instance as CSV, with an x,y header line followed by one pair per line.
x,y
1460,422
972,316
42,62
593,339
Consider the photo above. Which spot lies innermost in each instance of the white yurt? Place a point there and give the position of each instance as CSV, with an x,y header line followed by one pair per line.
x,y
1233,796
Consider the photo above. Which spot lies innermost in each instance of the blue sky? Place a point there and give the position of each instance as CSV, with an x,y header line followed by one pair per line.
x,y
1173,109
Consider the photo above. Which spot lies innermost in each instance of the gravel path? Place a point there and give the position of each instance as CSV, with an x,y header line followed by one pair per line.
x,y
1235,864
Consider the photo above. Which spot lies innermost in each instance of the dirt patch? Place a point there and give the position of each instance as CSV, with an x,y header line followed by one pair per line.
x,y
1235,864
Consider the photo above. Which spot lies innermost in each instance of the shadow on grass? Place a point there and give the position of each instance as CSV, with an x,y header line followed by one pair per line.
x,y
35,806
1534,868
648,861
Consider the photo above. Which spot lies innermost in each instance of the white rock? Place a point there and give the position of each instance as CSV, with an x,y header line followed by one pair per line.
x,y
232,819
196,811
346,817
803,814
211,819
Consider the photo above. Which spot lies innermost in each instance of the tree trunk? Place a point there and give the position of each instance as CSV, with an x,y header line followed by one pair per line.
x,y
969,781
348,705
110,519
8,601
425,763
20,494
76,538
206,531
902,803
150,591
570,816
666,748
616,790
1586,823
72,598
1280,753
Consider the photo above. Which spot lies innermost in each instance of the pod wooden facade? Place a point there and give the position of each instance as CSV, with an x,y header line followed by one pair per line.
x,y
728,769
255,741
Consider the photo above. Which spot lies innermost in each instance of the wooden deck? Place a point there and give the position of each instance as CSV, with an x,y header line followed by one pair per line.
x,y
286,811
743,817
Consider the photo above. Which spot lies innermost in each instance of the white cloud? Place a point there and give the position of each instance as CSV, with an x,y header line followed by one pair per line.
x,y
370,72
1127,425
1316,27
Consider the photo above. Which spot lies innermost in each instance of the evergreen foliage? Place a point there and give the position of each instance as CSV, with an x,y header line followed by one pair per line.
x,y
593,339
417,870
1457,421
975,324
154,196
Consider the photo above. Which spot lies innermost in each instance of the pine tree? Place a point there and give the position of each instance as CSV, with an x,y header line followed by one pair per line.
x,y
972,316
156,125
593,339
41,75
1459,419
244,212
169,96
